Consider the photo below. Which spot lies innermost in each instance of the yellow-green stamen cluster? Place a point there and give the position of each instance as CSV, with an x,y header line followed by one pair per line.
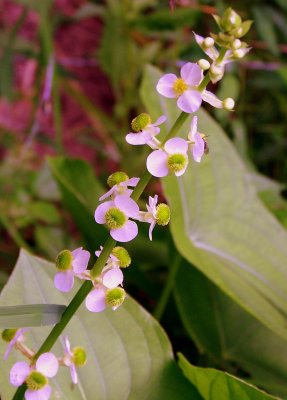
x,y
140,122
162,215
176,162
115,218
64,260
36,381
79,356
116,178
8,334
179,86
115,297
122,255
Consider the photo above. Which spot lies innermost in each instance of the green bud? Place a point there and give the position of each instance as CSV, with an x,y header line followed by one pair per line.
x,y
140,122
162,214
230,20
115,218
122,255
79,356
64,260
8,334
176,162
115,297
36,381
116,178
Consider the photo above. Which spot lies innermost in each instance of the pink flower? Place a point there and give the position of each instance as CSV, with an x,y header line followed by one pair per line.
x,y
19,337
73,359
35,376
197,143
71,264
150,215
147,135
173,159
121,189
115,214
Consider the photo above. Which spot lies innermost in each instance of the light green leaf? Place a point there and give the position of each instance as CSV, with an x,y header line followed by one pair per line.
x,y
128,353
30,315
215,385
219,225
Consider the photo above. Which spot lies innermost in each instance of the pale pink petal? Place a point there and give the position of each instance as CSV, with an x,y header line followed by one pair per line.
x,y
181,172
80,259
160,120
189,101
74,374
157,163
10,345
96,300
48,364
113,278
126,233
198,148
127,205
137,139
42,394
212,52
193,129
64,281
151,228
191,73
165,85
210,98
101,211
176,145
67,346
98,252
153,201
108,194
132,181
19,373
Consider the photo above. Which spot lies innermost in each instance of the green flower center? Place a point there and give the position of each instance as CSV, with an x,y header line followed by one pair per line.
x,y
115,297
162,215
122,255
64,260
179,86
36,381
116,178
140,122
176,162
79,356
8,334
115,218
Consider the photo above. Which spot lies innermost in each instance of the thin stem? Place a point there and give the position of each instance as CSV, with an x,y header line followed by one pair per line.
x,y
204,83
221,55
165,295
177,125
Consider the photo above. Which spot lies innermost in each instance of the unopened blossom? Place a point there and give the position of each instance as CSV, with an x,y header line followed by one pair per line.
x,y
35,376
12,337
155,214
196,141
70,264
119,182
171,159
73,358
145,131
115,214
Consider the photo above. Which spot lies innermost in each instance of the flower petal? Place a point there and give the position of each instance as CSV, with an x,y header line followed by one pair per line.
x,y
48,364
127,205
157,163
176,145
101,211
138,138
198,148
64,281
108,194
113,278
191,73
42,394
165,85
74,374
160,120
210,98
128,232
96,300
80,259
212,52
189,101
19,373
132,181
151,228
67,346
98,252
193,129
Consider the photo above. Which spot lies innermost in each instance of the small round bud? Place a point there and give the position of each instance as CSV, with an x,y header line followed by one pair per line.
x,y
64,260
8,334
236,44
115,218
116,178
36,381
238,53
230,20
208,42
216,72
79,356
115,297
204,64
162,214
238,32
140,122
176,162
228,104
122,255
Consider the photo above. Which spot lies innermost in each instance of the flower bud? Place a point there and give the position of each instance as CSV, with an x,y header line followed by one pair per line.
x,y
122,255
230,20
162,214
64,260
240,53
204,64
8,334
216,72
115,297
116,178
140,122
228,104
236,44
36,381
79,356
207,43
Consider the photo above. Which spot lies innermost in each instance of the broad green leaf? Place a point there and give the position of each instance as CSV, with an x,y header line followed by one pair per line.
x,y
215,385
219,225
128,353
228,334
30,315
265,28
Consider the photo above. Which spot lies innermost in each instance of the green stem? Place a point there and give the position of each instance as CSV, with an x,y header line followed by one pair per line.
x,y
57,112
158,312
177,125
221,55
204,83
